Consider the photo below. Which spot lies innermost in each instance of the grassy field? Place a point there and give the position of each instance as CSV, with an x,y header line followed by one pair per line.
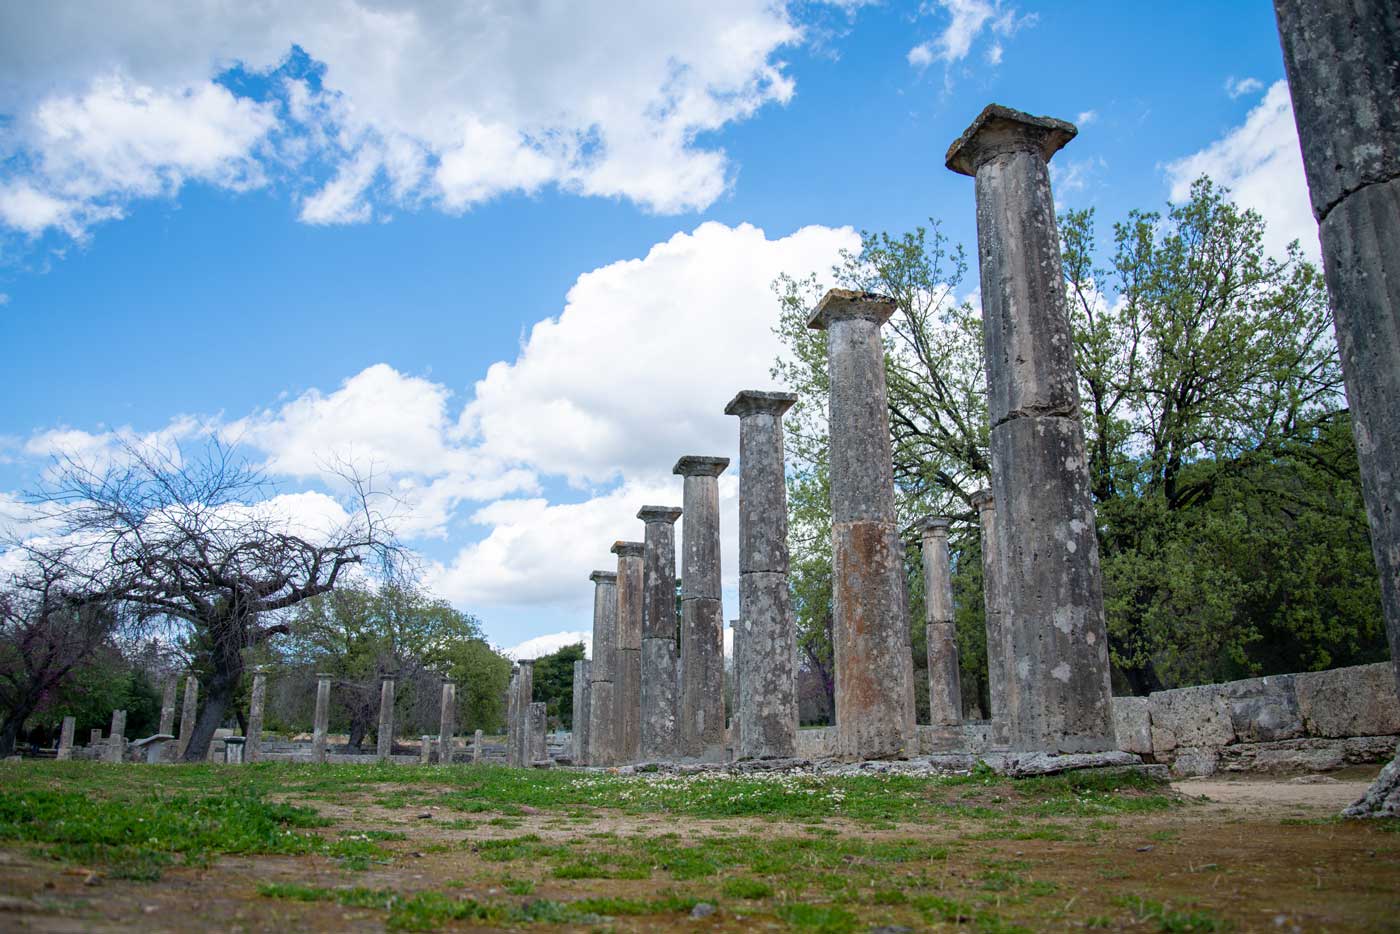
x,y
278,847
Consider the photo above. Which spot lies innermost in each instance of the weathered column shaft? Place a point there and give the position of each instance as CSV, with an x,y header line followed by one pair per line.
x,y
384,741
660,655
580,721
321,725
602,709
477,739
425,749
447,718
116,742
700,704
535,747
94,738
1000,679
65,738
167,706
257,700
944,679
870,626
187,713
627,685
512,717
525,696
1040,474
765,697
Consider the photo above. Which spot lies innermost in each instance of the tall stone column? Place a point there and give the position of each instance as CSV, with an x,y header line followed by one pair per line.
x,y
1341,61
116,743
660,656
602,708
384,740
512,731
700,707
580,720
167,706
447,719
187,713
256,702
525,696
765,641
627,683
1040,471
944,681
65,739
321,725
870,626
536,749
1000,678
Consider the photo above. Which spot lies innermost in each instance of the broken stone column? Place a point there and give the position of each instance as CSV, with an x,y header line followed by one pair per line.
x,y
1000,680
384,741
116,741
447,728
167,705
512,702
425,749
1040,472
187,713
535,749
233,750
944,681
700,704
477,739
65,739
94,738
627,680
660,656
765,697
870,626
580,718
256,702
321,725
525,695
602,709
1341,61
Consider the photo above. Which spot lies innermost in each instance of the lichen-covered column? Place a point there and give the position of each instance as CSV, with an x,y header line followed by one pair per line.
x,y
116,742
765,700
944,682
1040,472
525,696
1341,61
257,701
627,679
384,741
65,738
1000,680
870,627
187,713
602,709
447,718
321,724
580,723
659,650
167,706
536,750
700,702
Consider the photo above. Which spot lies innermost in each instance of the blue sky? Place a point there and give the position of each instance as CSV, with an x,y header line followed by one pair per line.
x,y
518,255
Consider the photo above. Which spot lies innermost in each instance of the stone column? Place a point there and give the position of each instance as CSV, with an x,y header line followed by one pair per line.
x,y
535,722
384,741
660,656
425,749
627,681
870,626
476,746
525,696
602,709
65,739
944,682
1341,61
447,722
736,635
256,702
187,713
167,707
116,742
1000,678
321,725
94,738
1040,471
765,697
580,719
512,731
700,703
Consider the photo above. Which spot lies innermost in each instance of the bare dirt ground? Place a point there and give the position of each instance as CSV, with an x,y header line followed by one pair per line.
x,y
1245,855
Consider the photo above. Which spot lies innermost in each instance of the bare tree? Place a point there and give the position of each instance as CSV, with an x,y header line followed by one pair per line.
x,y
201,541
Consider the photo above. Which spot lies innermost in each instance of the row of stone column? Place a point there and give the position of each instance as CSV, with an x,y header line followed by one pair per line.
x,y
525,718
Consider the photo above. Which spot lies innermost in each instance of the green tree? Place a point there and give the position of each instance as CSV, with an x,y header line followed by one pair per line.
x,y
554,682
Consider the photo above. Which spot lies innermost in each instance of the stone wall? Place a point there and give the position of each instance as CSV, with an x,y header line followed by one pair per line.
x,y
1314,721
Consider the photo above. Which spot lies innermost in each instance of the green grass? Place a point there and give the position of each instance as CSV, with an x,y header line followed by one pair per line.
x,y
1167,920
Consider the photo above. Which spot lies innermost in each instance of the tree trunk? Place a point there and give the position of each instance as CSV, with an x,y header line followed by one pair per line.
x,y
217,700
14,722
358,728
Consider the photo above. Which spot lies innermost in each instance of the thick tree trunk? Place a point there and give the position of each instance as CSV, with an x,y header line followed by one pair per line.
x,y
9,734
217,700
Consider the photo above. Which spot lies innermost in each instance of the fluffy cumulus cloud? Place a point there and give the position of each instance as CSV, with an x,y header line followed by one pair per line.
x,y
968,22
1261,163
402,105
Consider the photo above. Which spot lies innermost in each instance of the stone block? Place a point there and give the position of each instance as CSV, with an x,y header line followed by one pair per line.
x,y
1195,761
816,743
1197,717
1263,709
1356,701
1132,724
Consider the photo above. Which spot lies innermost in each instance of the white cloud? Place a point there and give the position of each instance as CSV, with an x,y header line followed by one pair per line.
x,y
1238,87
548,644
420,103
968,20
1086,117
1262,165
4,298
